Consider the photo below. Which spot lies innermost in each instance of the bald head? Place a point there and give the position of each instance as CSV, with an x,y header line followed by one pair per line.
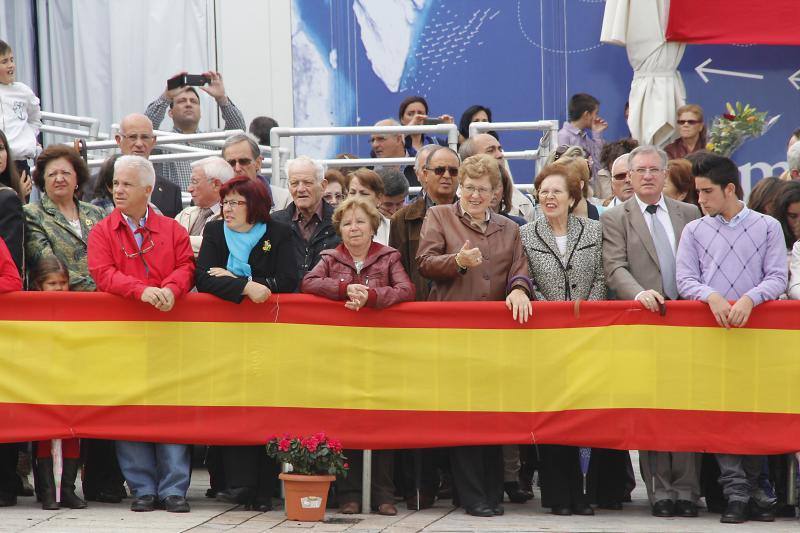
x,y
620,180
388,144
135,135
483,143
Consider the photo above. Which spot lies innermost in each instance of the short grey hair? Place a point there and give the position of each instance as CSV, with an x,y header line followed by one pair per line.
x,y
215,168
389,122
319,168
467,149
647,149
394,182
793,156
143,167
236,138
422,156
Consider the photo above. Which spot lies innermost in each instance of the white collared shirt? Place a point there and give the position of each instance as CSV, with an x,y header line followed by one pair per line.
x,y
663,216
737,218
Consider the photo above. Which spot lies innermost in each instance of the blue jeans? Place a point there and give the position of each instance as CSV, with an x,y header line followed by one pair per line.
x,y
153,468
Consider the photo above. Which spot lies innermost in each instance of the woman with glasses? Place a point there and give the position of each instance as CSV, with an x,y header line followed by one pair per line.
x,y
691,131
246,255
470,253
335,191
59,224
565,262
361,272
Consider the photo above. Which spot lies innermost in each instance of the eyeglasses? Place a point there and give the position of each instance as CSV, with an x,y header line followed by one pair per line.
x,y
232,203
689,122
554,193
333,196
144,249
653,171
619,176
133,137
243,161
439,171
469,190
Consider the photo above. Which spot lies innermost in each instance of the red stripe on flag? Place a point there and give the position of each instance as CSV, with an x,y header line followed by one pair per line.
x,y
304,309
627,429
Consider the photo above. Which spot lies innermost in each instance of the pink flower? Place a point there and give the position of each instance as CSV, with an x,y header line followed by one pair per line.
x,y
311,444
346,465
335,445
284,444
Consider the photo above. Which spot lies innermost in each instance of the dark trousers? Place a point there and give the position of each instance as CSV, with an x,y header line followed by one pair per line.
x,y
251,467
610,478
348,488
562,480
216,472
419,470
477,475
9,480
101,471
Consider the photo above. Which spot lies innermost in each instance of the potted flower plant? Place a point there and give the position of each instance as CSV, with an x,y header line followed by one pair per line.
x,y
316,461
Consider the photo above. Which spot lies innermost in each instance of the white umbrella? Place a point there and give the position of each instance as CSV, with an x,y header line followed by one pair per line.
x,y
657,88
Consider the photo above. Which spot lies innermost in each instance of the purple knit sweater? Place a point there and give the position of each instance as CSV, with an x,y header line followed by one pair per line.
x,y
748,258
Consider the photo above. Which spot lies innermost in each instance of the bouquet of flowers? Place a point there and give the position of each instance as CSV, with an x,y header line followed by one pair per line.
x,y
314,455
732,129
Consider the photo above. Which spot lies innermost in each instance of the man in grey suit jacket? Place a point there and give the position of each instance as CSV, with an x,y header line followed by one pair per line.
x,y
640,238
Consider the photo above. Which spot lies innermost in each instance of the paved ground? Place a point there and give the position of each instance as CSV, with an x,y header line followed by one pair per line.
x,y
209,516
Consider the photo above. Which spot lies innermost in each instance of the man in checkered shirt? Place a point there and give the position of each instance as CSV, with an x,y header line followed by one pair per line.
x,y
184,109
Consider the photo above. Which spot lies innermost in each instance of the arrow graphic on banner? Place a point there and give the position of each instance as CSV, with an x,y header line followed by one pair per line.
x,y
794,79
702,71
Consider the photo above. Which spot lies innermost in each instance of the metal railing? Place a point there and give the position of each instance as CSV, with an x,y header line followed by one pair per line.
x,y
277,133
547,144
92,125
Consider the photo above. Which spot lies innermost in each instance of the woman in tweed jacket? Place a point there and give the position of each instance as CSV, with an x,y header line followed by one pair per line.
x,y
565,263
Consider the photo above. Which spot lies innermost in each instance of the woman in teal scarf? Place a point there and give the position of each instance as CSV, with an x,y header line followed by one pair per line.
x,y
246,255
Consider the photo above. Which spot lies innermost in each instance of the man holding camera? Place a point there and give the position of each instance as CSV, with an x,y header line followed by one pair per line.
x,y
183,103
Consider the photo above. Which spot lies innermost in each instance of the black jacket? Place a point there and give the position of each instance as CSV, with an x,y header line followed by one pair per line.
x,y
166,197
325,237
12,224
271,260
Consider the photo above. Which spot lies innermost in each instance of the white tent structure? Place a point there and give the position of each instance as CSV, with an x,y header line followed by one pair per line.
x,y
657,88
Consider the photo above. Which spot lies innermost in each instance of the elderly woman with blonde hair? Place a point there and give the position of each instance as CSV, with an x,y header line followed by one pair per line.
x,y
471,253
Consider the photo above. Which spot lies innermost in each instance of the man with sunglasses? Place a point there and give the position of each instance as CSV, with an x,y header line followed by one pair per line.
x,y
621,185
136,253
242,153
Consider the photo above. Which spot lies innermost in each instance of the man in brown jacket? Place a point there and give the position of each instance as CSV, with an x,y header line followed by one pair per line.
x,y
440,181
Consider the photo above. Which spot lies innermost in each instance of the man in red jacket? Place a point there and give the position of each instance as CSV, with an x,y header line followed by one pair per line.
x,y
137,253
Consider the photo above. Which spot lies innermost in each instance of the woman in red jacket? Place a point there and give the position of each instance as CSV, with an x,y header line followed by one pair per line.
x,y
362,272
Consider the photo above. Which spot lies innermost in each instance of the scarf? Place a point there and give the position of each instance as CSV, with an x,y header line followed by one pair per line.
x,y
239,246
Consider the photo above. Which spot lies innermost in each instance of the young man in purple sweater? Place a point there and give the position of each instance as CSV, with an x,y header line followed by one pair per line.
x,y
732,254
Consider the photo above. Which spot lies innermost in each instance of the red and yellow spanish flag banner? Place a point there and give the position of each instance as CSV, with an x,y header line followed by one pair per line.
x,y
604,374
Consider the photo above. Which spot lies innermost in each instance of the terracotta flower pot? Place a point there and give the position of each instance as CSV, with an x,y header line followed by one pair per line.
x,y
306,496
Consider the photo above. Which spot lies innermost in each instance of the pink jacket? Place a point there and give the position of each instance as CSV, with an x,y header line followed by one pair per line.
x,y
170,262
382,272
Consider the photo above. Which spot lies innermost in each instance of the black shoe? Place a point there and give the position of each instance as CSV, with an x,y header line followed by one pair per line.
x,y
685,509
47,484
8,500
239,495
259,506
498,510
561,510
102,496
175,504
582,509
69,473
761,514
735,513
211,493
144,504
664,509
479,510
610,506
515,495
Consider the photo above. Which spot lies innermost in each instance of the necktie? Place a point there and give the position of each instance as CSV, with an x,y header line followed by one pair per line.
x,y
666,257
200,222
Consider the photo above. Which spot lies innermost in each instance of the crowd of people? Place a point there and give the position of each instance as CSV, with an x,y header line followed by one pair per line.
x,y
607,220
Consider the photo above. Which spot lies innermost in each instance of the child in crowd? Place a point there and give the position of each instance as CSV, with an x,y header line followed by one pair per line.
x,y
50,274
9,276
20,114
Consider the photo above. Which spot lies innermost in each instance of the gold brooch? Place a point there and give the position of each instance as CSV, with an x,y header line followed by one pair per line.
x,y
267,246
87,222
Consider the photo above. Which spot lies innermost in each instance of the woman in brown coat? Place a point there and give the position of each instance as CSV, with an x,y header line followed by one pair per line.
x,y
471,253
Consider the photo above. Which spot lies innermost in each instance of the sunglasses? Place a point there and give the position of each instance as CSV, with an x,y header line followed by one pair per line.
x,y
689,122
620,176
243,161
147,244
439,171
